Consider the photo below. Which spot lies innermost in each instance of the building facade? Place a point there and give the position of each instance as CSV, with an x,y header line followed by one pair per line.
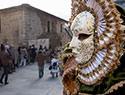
x,y
23,23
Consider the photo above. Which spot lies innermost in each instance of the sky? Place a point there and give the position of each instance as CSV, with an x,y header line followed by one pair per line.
x,y
59,8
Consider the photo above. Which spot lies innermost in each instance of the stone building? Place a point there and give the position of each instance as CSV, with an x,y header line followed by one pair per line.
x,y
23,23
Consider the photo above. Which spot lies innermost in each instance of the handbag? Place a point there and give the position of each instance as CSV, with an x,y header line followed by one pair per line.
x,y
25,56
50,67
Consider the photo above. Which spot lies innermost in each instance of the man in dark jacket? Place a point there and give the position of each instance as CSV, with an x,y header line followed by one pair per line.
x,y
33,54
5,62
40,60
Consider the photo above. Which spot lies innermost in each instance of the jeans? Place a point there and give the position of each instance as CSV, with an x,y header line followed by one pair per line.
x,y
5,73
41,71
23,61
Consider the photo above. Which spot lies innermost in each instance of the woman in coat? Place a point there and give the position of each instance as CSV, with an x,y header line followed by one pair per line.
x,y
5,62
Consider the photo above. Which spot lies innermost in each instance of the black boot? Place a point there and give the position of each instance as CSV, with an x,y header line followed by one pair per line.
x,y
2,78
1,81
6,83
6,79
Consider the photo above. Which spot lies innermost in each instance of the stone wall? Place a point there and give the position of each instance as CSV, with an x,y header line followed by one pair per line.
x,y
37,27
22,23
12,27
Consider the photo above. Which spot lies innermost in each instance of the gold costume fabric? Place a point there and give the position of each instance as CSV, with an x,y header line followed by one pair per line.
x,y
94,59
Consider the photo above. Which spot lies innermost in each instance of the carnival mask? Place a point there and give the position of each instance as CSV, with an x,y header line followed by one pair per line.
x,y
82,41
92,56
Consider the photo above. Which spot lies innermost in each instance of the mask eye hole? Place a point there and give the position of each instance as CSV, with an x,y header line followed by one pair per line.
x,y
83,36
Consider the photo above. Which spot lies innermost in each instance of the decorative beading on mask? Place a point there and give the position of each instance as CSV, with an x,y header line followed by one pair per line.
x,y
83,48
83,23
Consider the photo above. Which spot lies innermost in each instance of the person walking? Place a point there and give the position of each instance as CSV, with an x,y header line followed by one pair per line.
x,y
24,55
5,62
33,54
19,56
54,67
40,60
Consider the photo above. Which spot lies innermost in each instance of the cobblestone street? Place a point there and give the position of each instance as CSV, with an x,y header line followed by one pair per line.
x,y
25,82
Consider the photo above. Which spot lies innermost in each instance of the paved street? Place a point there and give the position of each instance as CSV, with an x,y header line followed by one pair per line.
x,y
25,82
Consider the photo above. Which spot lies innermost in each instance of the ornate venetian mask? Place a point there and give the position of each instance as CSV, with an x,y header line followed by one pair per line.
x,y
82,41
93,53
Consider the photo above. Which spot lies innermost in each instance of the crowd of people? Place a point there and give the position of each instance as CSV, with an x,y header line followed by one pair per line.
x,y
10,61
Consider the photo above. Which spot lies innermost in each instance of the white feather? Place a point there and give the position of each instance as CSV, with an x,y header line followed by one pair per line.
x,y
94,77
97,75
87,69
94,64
99,31
101,42
100,72
90,78
98,61
82,77
84,71
92,67
100,57
106,39
109,34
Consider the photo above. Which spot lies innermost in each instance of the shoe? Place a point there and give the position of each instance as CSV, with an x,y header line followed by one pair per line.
x,y
10,72
6,83
40,77
56,75
1,82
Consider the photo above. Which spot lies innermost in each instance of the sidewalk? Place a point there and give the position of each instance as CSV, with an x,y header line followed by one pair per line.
x,y
25,82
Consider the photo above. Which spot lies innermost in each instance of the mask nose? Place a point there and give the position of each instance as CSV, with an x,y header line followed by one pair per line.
x,y
73,42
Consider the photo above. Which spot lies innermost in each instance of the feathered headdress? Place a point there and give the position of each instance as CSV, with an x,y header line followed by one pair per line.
x,y
105,58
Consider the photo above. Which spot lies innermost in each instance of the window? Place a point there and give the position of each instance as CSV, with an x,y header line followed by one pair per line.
x,y
61,28
48,26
